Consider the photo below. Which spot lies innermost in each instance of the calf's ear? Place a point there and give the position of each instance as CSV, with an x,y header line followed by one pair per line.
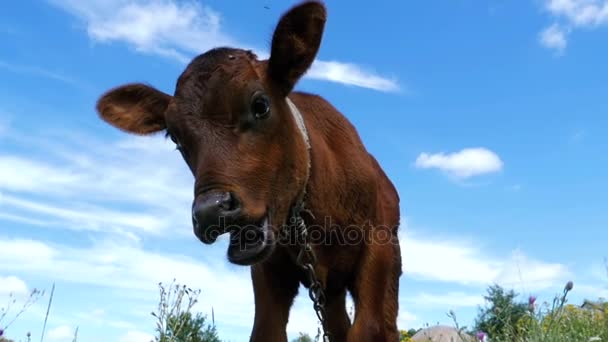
x,y
295,44
134,108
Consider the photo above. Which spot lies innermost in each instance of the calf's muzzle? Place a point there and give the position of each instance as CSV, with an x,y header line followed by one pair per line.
x,y
212,212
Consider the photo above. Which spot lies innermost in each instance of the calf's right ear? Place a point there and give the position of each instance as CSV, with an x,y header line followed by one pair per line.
x,y
134,108
295,43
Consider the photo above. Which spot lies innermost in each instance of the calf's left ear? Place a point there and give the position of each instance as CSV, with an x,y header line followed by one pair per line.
x,y
134,108
295,44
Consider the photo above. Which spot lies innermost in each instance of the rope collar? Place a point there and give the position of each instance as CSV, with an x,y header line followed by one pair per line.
x,y
299,121
295,112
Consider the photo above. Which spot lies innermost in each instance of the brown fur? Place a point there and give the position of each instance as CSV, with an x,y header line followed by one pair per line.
x,y
265,163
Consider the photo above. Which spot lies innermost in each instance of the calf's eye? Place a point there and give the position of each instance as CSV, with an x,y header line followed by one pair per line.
x,y
260,107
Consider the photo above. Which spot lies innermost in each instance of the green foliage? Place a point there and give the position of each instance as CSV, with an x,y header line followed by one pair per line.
x,y
189,328
412,332
406,335
503,314
175,321
572,323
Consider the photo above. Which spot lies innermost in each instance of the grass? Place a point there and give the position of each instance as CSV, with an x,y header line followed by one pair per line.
x,y
557,321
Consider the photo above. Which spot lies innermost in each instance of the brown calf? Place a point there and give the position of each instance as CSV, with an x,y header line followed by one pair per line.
x,y
236,122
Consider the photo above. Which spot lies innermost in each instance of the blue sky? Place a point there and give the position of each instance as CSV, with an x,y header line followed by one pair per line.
x,y
489,118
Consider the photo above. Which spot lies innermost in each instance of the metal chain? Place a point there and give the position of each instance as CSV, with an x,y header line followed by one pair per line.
x,y
307,260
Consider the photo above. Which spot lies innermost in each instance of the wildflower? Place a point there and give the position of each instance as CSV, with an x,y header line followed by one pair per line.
x,y
481,336
531,301
1,332
569,286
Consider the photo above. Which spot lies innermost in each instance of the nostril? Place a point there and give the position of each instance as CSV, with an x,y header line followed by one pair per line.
x,y
228,202
212,213
211,205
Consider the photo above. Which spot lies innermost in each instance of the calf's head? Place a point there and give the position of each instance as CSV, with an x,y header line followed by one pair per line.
x,y
231,122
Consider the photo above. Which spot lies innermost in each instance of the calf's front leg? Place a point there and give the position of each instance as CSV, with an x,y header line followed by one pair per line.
x,y
375,296
275,286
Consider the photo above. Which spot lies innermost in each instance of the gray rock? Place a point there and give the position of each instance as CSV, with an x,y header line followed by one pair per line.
x,y
441,333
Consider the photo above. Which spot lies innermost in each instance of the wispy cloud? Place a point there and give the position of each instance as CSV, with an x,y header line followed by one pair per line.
x,y
71,185
454,261
351,74
168,28
572,14
582,13
128,267
39,72
463,164
450,300
179,30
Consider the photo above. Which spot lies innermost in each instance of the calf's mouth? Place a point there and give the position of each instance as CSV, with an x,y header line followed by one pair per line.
x,y
250,243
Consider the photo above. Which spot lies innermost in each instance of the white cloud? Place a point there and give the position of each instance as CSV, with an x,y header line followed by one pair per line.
x,y
350,74
453,261
587,14
12,285
463,164
107,263
180,30
554,37
302,317
581,13
449,300
163,27
127,267
19,250
591,292
446,260
80,179
532,274
405,319
98,317
136,336
91,218
61,333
